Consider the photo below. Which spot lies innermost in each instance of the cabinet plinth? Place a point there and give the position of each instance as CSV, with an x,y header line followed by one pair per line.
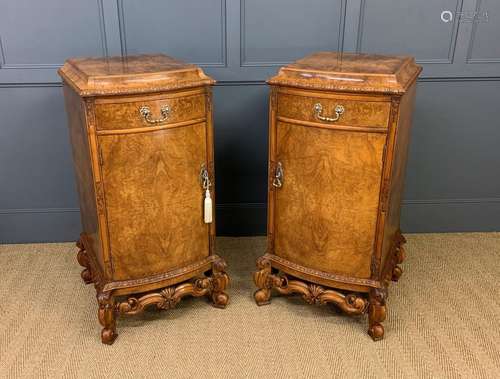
x,y
142,138
338,138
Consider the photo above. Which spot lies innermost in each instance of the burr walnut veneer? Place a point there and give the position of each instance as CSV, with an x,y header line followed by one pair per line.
x,y
338,138
141,131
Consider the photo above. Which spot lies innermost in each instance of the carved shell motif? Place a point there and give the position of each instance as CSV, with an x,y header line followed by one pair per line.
x,y
169,299
314,296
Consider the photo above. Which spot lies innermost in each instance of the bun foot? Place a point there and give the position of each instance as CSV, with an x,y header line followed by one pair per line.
x,y
220,300
376,332
262,296
108,336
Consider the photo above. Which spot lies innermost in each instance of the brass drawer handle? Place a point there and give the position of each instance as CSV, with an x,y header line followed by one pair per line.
x,y
146,114
278,176
318,108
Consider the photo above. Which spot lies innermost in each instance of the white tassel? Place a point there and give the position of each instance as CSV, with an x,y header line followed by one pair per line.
x,y
208,207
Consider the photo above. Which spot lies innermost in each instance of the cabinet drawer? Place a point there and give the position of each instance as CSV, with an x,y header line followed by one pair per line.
x,y
343,110
146,111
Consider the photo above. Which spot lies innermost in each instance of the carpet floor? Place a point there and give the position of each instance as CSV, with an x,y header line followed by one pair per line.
x,y
443,322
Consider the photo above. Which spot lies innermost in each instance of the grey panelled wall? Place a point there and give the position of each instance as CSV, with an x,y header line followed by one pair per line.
x,y
452,181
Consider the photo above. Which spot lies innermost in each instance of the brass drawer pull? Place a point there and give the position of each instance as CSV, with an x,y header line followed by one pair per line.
x,y
318,108
146,114
278,176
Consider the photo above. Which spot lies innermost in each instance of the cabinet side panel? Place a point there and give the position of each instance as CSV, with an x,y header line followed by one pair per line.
x,y
83,169
398,170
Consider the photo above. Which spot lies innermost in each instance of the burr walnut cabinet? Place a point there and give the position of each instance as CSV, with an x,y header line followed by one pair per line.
x,y
141,132
338,138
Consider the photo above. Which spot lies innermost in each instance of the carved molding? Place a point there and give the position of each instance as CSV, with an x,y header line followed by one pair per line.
x,y
208,96
321,274
397,254
213,285
352,304
384,195
375,304
273,98
213,262
162,276
374,266
83,259
100,201
167,298
395,101
86,259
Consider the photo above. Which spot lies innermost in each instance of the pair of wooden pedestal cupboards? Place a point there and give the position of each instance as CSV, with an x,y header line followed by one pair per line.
x,y
142,137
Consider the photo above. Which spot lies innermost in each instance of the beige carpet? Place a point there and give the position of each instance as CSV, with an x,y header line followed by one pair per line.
x,y
444,321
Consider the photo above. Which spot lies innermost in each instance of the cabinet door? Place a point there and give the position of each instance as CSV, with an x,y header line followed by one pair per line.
x,y
326,209
154,199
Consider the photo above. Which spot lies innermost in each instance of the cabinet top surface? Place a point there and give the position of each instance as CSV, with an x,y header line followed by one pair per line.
x,y
132,74
350,72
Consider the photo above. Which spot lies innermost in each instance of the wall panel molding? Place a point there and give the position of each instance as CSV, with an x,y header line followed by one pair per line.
x,y
5,65
451,46
2,54
475,25
244,62
223,36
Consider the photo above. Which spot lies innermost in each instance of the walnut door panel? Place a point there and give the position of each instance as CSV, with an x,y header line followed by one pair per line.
x,y
374,114
326,209
124,113
154,199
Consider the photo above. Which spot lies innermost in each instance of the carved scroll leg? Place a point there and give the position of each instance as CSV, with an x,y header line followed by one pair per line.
x,y
263,281
107,317
377,311
83,260
219,280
